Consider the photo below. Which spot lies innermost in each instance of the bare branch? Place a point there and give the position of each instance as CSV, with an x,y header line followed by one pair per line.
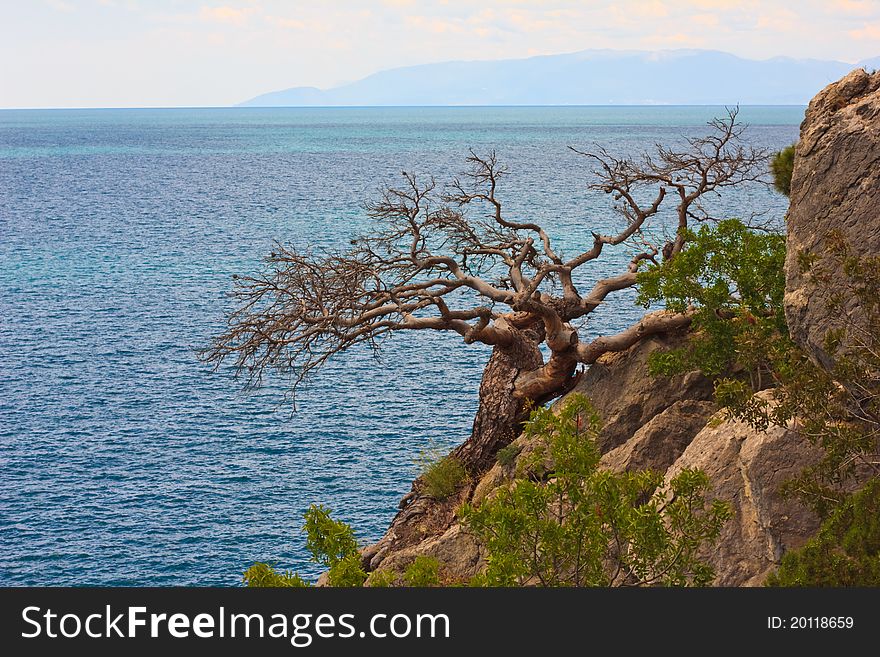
x,y
435,261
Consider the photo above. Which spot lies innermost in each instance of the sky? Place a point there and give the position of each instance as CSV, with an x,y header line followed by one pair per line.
x,y
173,53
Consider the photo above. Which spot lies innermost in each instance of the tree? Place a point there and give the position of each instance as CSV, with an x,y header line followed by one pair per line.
x,y
733,280
845,552
432,264
781,167
836,409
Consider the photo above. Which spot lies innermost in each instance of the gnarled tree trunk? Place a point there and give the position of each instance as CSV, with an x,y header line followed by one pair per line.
x,y
499,420
500,413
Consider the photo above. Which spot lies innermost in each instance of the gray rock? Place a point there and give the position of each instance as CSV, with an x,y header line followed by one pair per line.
x,y
835,186
746,468
658,443
457,551
627,396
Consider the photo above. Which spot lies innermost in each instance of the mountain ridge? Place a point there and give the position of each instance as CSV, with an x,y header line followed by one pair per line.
x,y
586,77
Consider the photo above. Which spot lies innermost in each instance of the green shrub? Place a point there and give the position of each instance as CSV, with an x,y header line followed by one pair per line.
x,y
781,166
732,280
382,578
582,526
331,543
264,576
328,540
424,571
347,572
441,475
846,551
836,410
506,456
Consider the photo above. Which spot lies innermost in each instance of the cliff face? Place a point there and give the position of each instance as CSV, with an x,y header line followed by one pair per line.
x,y
835,185
747,468
669,424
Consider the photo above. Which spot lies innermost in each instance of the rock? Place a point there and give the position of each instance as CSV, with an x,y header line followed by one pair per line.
x,y
835,186
747,467
496,476
658,443
455,549
627,396
421,520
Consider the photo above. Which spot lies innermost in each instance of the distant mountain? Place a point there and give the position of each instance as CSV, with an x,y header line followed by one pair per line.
x,y
872,64
590,77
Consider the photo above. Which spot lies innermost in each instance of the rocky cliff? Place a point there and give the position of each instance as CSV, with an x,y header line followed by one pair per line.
x,y
835,186
671,423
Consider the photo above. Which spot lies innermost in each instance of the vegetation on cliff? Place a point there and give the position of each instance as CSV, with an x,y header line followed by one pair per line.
x,y
731,278
846,551
736,281
330,542
781,166
565,522
562,522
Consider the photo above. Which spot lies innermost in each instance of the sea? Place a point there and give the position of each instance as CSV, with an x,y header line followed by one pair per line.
x,y
126,460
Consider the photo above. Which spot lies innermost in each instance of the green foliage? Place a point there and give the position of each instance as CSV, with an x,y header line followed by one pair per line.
x,y
262,575
423,571
381,579
781,166
347,572
582,526
846,551
837,410
732,279
506,456
331,543
441,475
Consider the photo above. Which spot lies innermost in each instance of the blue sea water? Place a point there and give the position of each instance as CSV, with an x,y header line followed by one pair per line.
x,y
124,460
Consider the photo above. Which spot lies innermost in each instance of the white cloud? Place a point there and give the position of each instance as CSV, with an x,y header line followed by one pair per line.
x,y
227,15
60,5
856,7
867,32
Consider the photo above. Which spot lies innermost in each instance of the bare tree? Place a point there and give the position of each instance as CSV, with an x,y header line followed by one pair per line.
x,y
431,264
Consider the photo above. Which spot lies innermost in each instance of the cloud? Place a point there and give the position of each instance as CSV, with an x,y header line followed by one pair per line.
x,y
867,32
717,4
857,7
777,20
60,5
651,9
705,20
287,23
434,25
227,15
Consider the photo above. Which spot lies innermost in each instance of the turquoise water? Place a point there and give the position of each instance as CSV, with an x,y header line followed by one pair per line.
x,y
123,459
